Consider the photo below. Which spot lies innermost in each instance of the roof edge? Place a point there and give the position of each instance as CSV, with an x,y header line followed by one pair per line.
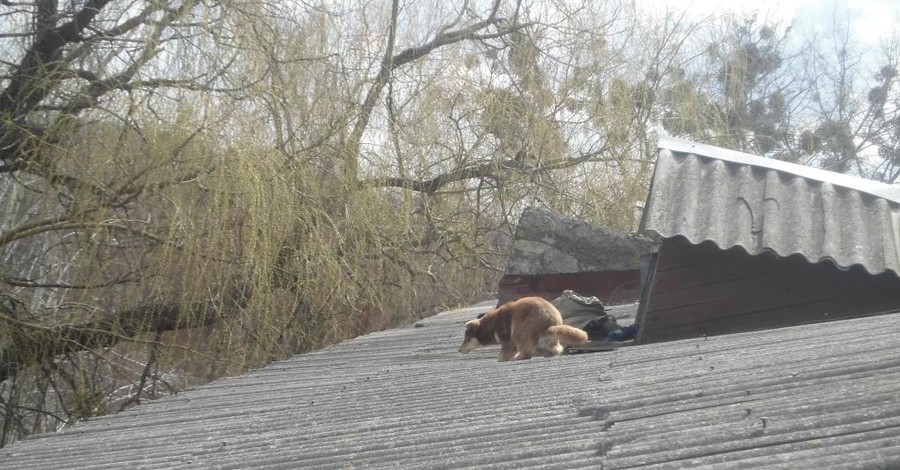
x,y
762,250
875,188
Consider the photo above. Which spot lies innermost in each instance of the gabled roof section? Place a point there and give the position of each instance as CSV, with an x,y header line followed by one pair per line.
x,y
760,204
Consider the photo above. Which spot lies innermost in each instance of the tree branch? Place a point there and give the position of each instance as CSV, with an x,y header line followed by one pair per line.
x,y
36,344
392,61
489,170
37,73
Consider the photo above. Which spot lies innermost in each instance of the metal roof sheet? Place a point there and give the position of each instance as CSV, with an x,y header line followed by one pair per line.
x,y
760,204
817,396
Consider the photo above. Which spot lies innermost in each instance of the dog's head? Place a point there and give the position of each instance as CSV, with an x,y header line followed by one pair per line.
x,y
470,337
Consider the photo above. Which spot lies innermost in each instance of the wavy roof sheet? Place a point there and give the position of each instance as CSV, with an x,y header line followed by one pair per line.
x,y
760,204
817,396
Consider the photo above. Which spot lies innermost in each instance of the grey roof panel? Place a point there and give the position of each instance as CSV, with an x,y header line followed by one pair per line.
x,y
875,188
761,204
814,396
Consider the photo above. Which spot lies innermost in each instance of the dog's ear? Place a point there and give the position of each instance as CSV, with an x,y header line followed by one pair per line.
x,y
472,325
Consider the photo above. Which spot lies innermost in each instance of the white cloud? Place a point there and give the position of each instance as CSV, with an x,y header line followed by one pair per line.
x,y
775,10
873,20
870,20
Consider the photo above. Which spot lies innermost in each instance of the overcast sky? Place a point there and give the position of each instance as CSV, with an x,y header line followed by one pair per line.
x,y
871,20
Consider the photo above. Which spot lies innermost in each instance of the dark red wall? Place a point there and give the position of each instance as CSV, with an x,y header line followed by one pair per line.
x,y
697,290
611,287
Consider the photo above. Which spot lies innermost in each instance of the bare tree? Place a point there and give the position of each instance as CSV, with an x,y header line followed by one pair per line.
x,y
86,181
853,104
140,193
740,94
196,188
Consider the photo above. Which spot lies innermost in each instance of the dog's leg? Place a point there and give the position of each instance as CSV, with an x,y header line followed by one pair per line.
x,y
507,351
526,348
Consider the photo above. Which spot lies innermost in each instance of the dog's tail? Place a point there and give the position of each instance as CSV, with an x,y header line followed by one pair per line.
x,y
568,334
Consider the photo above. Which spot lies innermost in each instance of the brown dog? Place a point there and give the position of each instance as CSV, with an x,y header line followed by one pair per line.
x,y
522,327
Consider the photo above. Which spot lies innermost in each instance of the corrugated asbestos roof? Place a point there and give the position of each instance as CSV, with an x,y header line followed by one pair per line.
x,y
761,204
816,396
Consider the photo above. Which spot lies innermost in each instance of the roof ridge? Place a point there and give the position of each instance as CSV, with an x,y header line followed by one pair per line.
x,y
875,188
